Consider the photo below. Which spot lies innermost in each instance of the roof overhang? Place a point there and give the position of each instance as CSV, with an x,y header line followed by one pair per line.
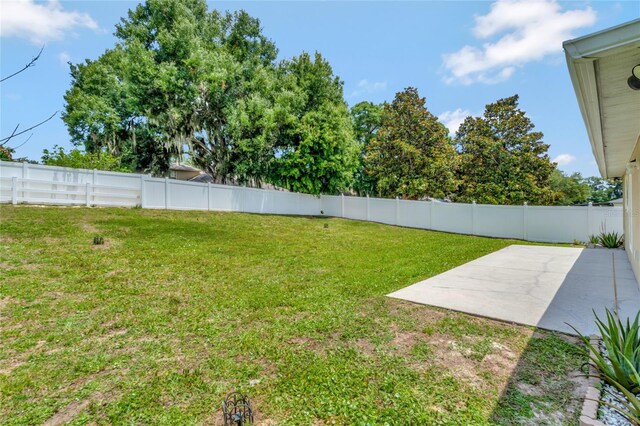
x,y
599,66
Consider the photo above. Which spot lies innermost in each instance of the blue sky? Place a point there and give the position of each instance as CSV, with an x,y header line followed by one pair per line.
x,y
460,56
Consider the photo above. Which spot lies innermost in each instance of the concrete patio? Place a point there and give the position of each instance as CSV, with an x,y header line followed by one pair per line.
x,y
546,287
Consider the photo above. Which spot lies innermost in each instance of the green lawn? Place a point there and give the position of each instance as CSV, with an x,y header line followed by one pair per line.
x,y
179,308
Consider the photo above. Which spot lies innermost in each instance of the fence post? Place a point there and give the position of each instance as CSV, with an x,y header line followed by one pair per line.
x,y
95,177
397,211
141,191
341,205
525,221
209,196
368,209
589,215
432,213
166,192
14,190
25,175
88,194
474,214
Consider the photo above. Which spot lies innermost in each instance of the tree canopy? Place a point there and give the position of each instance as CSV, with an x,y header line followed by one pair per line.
x,y
411,155
186,81
78,159
502,160
183,80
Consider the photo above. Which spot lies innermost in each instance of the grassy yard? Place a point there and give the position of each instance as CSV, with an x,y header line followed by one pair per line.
x,y
177,309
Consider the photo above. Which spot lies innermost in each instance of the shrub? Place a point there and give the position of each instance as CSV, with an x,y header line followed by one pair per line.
x,y
594,239
623,346
620,367
82,160
611,239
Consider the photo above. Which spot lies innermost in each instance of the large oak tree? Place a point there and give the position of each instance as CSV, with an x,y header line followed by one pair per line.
x,y
183,80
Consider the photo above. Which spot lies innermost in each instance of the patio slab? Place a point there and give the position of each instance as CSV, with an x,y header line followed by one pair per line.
x,y
546,287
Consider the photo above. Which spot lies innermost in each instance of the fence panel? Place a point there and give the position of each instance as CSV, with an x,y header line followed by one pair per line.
x,y
499,221
556,224
605,219
451,217
154,193
331,205
414,214
224,198
187,195
382,210
355,208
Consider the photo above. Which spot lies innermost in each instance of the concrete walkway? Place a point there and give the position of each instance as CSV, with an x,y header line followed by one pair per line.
x,y
545,287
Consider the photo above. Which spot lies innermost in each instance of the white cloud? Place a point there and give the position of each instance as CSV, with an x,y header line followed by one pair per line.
x,y
453,119
531,30
40,22
564,159
64,57
365,86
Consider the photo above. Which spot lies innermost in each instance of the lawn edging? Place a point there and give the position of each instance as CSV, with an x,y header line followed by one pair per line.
x,y
589,414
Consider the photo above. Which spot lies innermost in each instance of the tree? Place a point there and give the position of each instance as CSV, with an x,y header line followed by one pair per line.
x,y
82,160
603,190
317,150
366,118
171,86
503,161
411,155
183,80
568,189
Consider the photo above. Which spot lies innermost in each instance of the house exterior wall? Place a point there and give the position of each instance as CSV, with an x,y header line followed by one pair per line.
x,y
186,174
632,211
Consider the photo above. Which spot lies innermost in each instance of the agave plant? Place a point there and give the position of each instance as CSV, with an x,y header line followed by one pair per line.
x,y
594,239
621,365
611,239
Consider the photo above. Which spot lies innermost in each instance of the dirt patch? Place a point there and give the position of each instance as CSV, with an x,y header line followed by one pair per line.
x,y
447,354
4,302
89,228
71,411
68,413
365,347
21,358
404,341
12,365
6,267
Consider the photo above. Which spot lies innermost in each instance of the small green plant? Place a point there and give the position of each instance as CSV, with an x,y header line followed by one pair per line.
x,y
577,242
620,367
623,346
98,240
611,239
594,239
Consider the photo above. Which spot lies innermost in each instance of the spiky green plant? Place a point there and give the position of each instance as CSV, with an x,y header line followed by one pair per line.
x,y
594,239
622,341
611,239
621,366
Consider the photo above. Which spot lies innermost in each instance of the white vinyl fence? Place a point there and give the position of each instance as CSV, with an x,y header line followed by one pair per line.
x,y
36,184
